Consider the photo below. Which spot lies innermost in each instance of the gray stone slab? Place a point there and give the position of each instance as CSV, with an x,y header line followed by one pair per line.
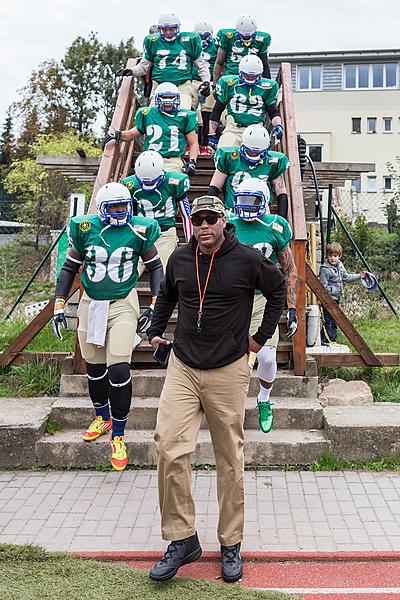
x,y
363,433
22,422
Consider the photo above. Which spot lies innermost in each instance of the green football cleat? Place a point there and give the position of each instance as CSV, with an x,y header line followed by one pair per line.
x,y
265,416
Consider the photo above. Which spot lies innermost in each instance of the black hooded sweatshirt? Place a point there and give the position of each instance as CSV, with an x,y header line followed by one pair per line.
x,y
237,271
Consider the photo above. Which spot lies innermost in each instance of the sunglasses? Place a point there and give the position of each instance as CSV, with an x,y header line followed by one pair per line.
x,y
210,219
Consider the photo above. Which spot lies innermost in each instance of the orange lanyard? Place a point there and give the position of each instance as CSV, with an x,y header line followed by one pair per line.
x,y
202,294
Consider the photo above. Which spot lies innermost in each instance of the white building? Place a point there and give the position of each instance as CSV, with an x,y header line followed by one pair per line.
x,y
348,110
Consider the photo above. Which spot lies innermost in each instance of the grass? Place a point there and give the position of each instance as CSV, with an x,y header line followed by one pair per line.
x,y
330,463
30,573
52,427
382,335
26,381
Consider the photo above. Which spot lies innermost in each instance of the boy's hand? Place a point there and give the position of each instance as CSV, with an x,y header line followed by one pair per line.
x,y
363,274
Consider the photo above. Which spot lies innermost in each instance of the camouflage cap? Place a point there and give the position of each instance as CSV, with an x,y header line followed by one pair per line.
x,y
209,203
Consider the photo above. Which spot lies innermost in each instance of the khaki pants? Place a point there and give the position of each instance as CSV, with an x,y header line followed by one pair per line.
x,y
187,90
232,135
257,317
188,393
173,164
121,329
166,244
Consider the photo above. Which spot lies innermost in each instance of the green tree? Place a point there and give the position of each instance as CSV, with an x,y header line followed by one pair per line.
x,y
7,142
81,66
111,59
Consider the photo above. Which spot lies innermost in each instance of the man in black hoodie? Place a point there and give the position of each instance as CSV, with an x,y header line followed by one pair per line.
x,y
213,279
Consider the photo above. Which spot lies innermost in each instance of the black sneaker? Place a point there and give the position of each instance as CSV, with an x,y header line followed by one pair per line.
x,y
231,563
178,553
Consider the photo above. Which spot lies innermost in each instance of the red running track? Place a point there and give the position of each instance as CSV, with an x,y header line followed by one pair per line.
x,y
313,576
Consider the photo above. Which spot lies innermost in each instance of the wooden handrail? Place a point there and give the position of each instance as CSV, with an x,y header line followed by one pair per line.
x,y
296,215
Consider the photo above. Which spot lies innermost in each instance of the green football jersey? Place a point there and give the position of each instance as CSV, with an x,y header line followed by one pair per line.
x,y
247,105
235,49
165,133
172,61
209,55
229,161
161,204
270,233
111,254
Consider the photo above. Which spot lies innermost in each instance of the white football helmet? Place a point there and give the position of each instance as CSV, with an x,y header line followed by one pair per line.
x,y
250,70
252,198
169,26
205,31
246,27
149,170
167,97
114,193
255,144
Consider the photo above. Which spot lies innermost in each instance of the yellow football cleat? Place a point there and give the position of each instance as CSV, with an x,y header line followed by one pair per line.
x,y
96,429
119,457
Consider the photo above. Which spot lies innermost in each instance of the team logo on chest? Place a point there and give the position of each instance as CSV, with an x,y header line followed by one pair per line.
x,y
84,226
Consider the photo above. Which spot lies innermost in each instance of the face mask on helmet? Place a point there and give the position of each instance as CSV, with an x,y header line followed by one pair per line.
x,y
250,79
246,39
206,39
150,185
250,205
167,101
246,27
253,156
119,217
169,27
149,170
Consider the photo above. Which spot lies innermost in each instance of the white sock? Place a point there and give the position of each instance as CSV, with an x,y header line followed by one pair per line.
x,y
263,394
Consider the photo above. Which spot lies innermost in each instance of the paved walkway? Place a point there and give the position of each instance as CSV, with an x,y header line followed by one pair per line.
x,y
285,511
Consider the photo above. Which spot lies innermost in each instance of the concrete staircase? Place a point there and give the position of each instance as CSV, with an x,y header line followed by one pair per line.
x,y
297,437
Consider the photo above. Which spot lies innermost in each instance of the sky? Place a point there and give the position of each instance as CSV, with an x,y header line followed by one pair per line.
x,y
32,31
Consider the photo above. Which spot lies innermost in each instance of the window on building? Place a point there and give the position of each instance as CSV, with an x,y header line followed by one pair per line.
x,y
371,183
387,183
356,125
387,124
376,75
309,77
371,125
356,184
315,152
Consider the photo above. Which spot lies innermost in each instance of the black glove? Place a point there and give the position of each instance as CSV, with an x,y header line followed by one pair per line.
x,y
116,136
205,88
291,322
144,320
59,319
190,167
124,73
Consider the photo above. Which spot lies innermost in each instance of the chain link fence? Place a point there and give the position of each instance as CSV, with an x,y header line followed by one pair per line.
x,y
375,207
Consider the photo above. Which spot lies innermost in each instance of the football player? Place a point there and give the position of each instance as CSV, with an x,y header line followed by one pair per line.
x,y
271,235
252,159
159,195
109,245
173,54
247,97
167,128
206,104
234,44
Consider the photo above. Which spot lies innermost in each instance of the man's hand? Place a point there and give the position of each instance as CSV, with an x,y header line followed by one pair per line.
x,y
190,167
124,73
212,142
144,320
156,341
205,88
277,131
116,136
291,322
253,346
59,319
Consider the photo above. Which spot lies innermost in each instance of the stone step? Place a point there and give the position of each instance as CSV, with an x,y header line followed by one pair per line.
x,y
291,446
289,413
149,383
364,433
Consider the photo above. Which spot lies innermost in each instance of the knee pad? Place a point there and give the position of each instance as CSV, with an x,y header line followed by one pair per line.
x,y
267,366
98,384
120,389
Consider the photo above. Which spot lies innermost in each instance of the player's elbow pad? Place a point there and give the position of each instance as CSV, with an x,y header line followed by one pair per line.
x,y
155,268
213,191
67,276
273,111
283,205
217,111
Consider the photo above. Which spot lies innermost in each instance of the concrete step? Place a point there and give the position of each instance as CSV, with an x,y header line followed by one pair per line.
x,y
67,450
289,413
364,433
149,383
